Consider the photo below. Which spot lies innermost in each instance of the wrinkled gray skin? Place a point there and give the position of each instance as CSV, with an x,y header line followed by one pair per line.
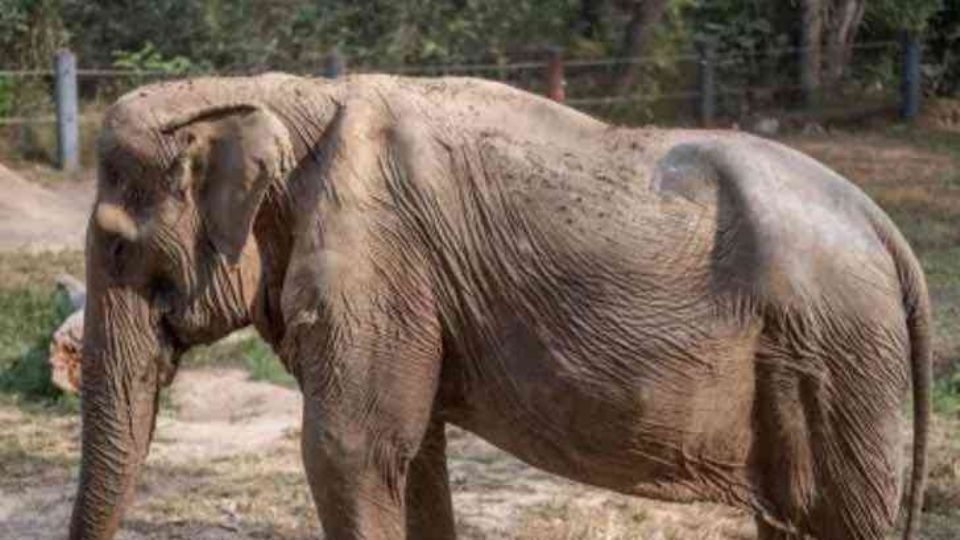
x,y
682,315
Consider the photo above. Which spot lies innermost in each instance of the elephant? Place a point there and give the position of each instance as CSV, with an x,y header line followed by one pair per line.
x,y
685,315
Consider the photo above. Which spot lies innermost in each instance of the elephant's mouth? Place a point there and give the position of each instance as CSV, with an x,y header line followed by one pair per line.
x,y
170,354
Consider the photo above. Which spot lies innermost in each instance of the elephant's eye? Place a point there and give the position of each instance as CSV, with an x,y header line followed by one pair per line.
x,y
135,197
138,199
109,178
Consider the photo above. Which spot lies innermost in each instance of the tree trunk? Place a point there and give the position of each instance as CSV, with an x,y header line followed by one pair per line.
x,y
843,21
644,16
812,52
589,22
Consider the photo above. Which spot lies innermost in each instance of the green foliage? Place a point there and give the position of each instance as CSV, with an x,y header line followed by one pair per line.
x,y
942,51
263,364
13,26
30,31
946,394
29,319
295,35
6,96
899,15
148,58
247,351
740,26
98,29
751,38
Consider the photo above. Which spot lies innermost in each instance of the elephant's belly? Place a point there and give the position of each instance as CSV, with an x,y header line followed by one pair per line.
x,y
660,427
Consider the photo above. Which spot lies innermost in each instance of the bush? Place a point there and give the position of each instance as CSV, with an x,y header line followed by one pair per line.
x,y
6,96
31,317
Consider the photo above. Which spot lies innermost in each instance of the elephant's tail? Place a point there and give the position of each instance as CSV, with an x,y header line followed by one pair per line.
x,y
916,302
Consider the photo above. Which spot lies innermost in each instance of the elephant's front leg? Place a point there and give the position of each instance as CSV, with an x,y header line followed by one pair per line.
x,y
429,506
356,476
369,382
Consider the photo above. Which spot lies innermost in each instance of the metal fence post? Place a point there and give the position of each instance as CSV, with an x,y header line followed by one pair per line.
x,y
68,132
708,83
910,77
334,65
555,78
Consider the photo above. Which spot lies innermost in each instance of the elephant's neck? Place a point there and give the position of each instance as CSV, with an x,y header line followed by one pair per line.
x,y
309,108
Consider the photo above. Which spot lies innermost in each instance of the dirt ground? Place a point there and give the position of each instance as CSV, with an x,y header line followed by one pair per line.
x,y
225,462
225,465
37,217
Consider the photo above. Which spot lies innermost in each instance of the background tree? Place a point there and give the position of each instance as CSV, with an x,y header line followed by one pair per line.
x,y
295,35
942,51
644,15
842,20
811,46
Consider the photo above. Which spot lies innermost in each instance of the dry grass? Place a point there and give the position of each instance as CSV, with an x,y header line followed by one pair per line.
x,y
36,447
261,495
943,491
21,270
568,519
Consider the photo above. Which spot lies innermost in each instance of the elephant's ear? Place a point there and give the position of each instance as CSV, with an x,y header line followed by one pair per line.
x,y
235,153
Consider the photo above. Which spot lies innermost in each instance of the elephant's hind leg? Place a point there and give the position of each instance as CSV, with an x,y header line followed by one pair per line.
x,y
829,398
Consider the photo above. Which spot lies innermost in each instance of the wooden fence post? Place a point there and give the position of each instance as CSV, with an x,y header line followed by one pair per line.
x,y
910,77
555,79
334,65
708,84
68,132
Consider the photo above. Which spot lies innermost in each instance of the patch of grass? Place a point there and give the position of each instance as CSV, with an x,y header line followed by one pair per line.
x,y
946,394
937,140
264,365
36,447
243,349
943,487
20,270
942,269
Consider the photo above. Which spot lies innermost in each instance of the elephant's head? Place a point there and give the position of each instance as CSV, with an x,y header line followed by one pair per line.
x,y
171,262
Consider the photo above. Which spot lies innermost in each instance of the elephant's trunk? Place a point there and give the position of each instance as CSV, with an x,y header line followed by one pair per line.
x,y
119,402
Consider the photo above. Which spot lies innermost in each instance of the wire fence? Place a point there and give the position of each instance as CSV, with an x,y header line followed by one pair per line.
x,y
688,89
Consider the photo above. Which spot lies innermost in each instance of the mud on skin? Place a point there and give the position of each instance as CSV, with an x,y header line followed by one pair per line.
x,y
683,315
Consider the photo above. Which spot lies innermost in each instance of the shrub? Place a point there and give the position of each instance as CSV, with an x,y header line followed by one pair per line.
x,y
31,316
